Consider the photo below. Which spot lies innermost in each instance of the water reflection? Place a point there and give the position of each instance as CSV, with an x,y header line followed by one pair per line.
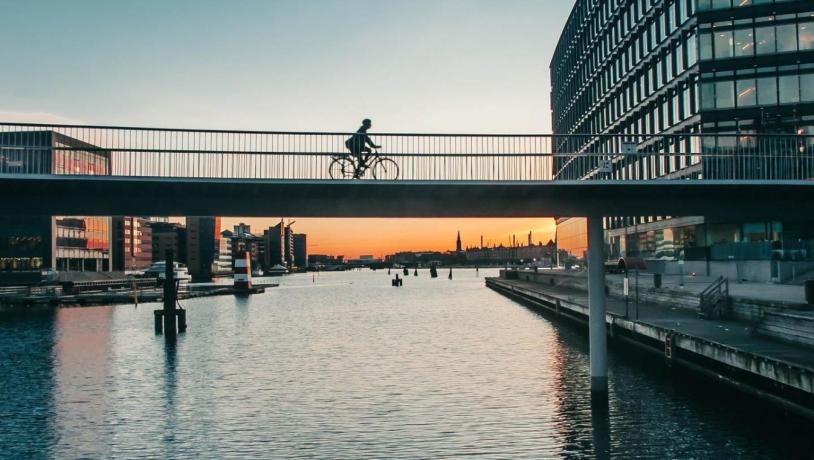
x,y
349,367
26,384
80,392
572,393
600,425
167,398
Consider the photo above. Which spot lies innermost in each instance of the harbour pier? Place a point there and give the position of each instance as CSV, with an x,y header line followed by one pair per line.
x,y
730,351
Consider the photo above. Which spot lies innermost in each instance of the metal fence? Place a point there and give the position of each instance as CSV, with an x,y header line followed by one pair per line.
x,y
189,153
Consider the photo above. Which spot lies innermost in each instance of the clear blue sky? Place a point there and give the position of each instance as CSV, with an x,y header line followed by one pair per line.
x,y
433,66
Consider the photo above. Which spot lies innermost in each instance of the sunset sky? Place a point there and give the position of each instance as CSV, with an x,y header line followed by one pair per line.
x,y
420,66
379,237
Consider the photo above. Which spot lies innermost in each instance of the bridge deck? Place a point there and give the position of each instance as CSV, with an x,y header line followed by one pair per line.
x,y
115,195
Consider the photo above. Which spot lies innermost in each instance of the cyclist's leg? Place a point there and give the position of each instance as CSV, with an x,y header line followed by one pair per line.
x,y
366,151
356,159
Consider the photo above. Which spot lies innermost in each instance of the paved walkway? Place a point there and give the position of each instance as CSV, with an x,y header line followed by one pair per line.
x,y
732,333
769,292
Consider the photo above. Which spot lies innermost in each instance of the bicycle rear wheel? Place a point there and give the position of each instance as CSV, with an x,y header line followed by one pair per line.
x,y
385,169
341,168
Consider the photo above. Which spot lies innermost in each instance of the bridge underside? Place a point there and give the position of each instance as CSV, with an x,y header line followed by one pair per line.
x,y
111,195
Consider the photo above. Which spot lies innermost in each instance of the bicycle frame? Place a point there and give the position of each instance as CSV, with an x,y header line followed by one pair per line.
x,y
363,162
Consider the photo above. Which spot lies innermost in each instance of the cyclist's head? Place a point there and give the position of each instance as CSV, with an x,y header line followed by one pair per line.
x,y
367,123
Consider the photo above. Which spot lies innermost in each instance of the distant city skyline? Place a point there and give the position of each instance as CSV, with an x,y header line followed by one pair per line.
x,y
348,237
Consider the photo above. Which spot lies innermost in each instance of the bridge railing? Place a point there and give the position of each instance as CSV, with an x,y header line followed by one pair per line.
x,y
190,153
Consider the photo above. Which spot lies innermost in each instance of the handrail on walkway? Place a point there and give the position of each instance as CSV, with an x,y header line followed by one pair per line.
x,y
36,148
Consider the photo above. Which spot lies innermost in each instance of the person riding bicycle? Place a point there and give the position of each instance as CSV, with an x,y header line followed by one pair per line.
x,y
360,142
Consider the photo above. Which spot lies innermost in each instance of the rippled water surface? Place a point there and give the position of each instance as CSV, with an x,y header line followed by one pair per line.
x,y
342,365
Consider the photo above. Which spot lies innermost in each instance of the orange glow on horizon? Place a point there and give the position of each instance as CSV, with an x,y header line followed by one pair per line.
x,y
379,237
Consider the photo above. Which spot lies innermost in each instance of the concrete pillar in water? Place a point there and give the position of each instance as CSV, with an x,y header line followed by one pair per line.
x,y
597,335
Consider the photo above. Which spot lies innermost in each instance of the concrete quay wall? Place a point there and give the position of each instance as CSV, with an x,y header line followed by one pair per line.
x,y
783,383
742,308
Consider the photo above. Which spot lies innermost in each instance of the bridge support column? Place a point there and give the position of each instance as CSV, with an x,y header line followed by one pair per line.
x,y
597,335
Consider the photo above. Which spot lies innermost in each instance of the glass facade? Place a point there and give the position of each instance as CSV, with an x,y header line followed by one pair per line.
x,y
82,243
24,243
572,241
65,243
645,67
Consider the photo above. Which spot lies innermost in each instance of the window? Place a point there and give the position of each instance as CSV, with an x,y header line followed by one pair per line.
x,y
723,44
686,107
705,44
786,38
807,87
725,94
764,40
806,35
747,94
744,43
767,91
789,89
692,51
707,96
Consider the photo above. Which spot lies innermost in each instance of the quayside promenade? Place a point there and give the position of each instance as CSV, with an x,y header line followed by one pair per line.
x,y
755,348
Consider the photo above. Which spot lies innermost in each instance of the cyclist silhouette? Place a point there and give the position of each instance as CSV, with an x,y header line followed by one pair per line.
x,y
360,142
363,159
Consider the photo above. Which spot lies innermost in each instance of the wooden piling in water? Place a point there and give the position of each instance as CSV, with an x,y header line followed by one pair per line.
x,y
158,316
170,298
182,320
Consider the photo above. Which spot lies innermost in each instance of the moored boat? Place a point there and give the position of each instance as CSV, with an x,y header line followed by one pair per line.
x,y
276,270
158,270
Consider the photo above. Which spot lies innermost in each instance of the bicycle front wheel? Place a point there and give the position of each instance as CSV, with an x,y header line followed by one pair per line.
x,y
341,168
385,169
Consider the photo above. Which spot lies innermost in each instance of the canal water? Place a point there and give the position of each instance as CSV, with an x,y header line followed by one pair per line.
x,y
342,365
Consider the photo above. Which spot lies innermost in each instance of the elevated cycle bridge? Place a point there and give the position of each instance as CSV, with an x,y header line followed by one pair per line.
x,y
89,170
95,170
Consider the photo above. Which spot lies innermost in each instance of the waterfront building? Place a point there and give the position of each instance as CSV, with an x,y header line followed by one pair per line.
x,y
242,240
132,243
365,259
541,253
25,243
417,257
325,260
203,246
65,243
458,248
168,235
274,239
242,229
288,246
652,67
300,250
224,259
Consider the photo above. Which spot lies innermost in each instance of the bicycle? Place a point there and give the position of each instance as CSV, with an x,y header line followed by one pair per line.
x,y
352,167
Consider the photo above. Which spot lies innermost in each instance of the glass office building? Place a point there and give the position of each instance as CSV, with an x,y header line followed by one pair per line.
x,y
673,67
65,243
